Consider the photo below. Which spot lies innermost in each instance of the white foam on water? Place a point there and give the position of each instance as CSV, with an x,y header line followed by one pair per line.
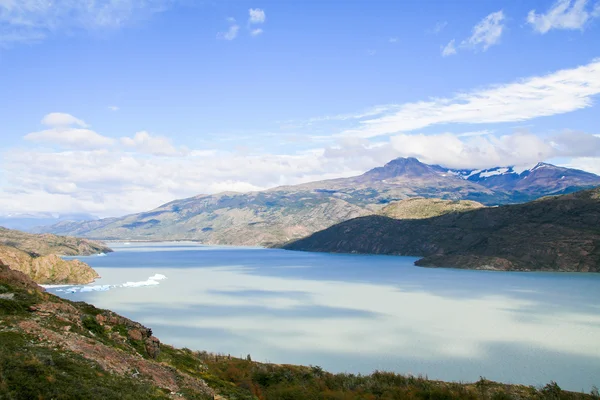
x,y
151,281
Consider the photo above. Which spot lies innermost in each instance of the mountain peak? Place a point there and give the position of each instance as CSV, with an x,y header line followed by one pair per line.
x,y
402,166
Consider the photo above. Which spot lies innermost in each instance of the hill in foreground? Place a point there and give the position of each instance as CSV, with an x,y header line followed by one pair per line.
x,y
559,233
51,348
287,213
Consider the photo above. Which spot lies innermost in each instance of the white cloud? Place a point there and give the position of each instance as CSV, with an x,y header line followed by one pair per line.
x,y
590,164
144,142
556,93
71,137
487,32
63,133
62,119
232,32
480,150
116,181
564,14
257,16
393,40
256,32
113,108
33,20
449,49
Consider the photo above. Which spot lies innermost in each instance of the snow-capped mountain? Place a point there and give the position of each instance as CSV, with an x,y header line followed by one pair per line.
x,y
542,177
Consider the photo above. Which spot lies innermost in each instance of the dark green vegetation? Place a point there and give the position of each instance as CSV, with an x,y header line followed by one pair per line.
x,y
291,212
559,233
52,348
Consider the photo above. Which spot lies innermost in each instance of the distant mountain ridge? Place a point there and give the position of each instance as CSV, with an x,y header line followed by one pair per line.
x,y
287,213
559,233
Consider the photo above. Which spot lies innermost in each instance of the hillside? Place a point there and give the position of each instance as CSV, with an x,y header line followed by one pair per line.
x,y
47,244
51,348
559,233
291,212
419,208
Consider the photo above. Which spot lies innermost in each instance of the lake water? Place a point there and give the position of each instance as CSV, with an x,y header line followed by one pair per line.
x,y
355,313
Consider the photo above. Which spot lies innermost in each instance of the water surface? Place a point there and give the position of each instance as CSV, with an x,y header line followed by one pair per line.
x,y
357,313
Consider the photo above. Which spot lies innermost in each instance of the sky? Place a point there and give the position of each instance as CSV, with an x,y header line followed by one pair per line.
x,y
112,107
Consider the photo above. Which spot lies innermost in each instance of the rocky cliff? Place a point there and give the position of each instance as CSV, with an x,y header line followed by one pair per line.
x,y
50,269
559,233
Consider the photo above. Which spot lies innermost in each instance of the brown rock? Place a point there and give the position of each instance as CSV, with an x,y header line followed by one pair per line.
x,y
135,334
152,346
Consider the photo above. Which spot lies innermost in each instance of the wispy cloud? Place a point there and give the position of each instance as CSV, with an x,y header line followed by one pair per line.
x,y
487,32
564,14
438,27
449,49
393,40
556,93
256,32
113,108
232,32
34,20
256,16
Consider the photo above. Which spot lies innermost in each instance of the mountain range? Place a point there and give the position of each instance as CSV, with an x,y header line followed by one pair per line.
x,y
555,233
29,221
287,213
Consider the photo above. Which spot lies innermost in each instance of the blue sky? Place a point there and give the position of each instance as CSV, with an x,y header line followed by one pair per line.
x,y
118,106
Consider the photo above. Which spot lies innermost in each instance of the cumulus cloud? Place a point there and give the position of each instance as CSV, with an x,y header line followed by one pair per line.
x,y
487,32
564,14
27,21
256,16
144,142
63,133
556,93
449,49
256,32
232,32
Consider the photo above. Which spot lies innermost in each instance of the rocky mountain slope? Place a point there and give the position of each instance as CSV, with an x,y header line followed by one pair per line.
x,y
51,348
420,208
47,244
290,212
49,269
559,233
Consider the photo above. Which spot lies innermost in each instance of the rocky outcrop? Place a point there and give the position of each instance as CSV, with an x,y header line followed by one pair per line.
x,y
49,269
420,208
46,244
559,233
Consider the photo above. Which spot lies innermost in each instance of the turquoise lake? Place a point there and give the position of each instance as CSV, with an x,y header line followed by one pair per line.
x,y
356,313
